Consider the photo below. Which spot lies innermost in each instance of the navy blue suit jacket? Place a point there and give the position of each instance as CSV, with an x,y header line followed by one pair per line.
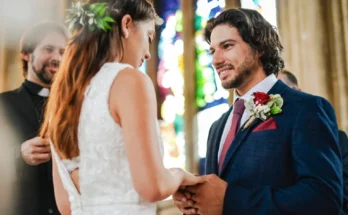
x,y
294,169
344,148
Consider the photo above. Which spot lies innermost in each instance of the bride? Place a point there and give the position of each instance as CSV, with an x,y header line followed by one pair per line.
x,y
101,115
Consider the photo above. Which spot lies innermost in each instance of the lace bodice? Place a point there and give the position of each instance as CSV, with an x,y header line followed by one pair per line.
x,y
105,180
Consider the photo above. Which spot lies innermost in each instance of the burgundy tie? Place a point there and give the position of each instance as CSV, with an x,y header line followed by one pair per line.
x,y
238,110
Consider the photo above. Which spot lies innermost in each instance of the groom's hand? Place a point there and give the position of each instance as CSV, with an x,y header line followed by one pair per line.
x,y
208,197
183,200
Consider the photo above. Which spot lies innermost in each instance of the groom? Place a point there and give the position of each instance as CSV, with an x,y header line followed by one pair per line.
x,y
288,163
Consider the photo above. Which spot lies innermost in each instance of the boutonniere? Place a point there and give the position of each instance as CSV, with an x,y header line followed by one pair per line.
x,y
262,106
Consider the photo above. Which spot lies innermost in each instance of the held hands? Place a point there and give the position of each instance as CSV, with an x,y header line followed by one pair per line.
x,y
36,151
204,198
185,178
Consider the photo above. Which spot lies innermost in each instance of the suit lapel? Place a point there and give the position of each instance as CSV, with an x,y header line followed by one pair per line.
x,y
214,144
240,136
278,88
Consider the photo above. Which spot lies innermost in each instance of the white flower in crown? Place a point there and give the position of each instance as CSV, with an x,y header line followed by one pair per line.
x,y
262,106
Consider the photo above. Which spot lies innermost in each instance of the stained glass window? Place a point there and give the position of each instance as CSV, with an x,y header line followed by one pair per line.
x,y
211,98
171,83
267,8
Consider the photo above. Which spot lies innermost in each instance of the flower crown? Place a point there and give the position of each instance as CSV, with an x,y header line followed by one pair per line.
x,y
95,16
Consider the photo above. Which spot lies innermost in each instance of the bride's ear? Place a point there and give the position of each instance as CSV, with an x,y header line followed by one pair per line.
x,y
126,25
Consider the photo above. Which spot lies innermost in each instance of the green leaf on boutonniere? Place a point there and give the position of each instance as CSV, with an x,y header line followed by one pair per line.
x,y
270,104
277,99
276,110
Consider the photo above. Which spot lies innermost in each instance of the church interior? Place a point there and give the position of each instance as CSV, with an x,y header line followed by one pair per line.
x,y
314,34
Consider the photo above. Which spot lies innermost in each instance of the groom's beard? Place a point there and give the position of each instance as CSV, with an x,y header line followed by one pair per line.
x,y
244,72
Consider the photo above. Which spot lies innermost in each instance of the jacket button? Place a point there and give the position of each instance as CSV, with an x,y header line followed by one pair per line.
x,y
50,211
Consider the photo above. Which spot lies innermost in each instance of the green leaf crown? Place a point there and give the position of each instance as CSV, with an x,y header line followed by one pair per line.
x,y
94,16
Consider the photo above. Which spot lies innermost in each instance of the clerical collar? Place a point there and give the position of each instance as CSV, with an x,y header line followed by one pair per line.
x,y
36,89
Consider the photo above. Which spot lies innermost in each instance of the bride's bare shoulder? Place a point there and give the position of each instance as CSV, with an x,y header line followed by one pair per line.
x,y
132,78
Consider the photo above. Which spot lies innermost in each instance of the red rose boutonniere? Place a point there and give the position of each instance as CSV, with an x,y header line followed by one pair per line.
x,y
262,106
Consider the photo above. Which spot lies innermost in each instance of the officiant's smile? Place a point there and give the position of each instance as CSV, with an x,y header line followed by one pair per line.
x,y
45,60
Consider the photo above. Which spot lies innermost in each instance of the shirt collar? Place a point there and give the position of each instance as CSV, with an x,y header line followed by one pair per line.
x,y
36,89
264,86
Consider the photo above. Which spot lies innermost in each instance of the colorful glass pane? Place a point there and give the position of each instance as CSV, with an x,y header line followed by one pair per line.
x,y
211,98
209,91
267,8
171,83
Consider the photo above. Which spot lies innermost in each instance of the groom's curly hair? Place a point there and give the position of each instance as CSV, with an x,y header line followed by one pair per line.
x,y
255,31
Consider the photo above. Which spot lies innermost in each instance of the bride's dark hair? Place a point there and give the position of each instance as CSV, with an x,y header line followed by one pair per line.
x,y
86,52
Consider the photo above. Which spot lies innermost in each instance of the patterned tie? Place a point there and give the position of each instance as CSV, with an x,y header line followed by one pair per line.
x,y
238,110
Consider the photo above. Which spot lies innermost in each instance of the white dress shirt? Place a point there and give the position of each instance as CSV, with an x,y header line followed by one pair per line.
x,y
264,86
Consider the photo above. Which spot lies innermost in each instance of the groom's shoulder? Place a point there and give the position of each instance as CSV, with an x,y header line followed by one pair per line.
x,y
307,102
293,97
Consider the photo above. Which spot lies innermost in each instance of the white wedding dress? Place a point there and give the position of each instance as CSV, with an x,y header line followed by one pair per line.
x,y
105,180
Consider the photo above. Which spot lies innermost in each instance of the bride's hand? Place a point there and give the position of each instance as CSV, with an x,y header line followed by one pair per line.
x,y
186,178
190,180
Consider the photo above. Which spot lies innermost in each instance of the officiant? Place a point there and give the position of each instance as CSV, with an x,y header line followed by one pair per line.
x,y
41,48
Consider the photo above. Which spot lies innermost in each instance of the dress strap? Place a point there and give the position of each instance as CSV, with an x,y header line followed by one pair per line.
x,y
74,196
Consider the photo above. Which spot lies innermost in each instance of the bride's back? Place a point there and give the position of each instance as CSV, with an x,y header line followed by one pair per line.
x,y
104,172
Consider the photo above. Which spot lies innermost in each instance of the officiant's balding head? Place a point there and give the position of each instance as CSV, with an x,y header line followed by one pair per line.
x,y
289,79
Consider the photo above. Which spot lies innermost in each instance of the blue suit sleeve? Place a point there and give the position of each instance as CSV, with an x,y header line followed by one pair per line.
x,y
344,147
317,162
